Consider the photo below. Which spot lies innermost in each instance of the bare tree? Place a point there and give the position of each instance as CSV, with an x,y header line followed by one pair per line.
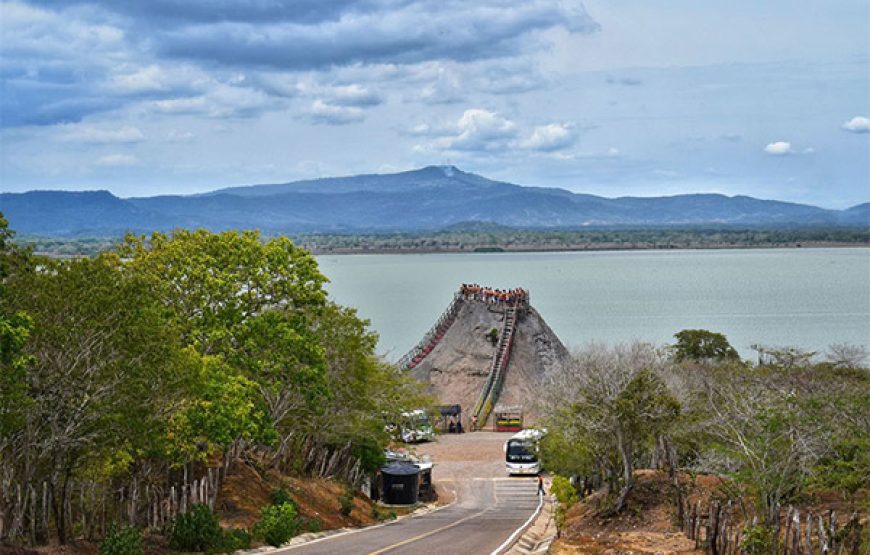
x,y
786,357
613,403
846,355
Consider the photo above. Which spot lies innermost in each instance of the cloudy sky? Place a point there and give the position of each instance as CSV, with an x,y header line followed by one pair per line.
x,y
626,97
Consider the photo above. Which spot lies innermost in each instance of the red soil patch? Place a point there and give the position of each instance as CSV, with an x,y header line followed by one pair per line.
x,y
647,525
245,492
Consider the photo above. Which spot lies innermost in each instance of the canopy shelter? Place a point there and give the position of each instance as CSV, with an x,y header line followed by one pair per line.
x,y
450,421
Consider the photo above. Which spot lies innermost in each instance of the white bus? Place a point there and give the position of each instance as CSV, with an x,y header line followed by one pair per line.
x,y
521,452
416,426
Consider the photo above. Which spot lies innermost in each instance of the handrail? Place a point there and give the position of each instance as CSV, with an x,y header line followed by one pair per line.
x,y
492,388
444,321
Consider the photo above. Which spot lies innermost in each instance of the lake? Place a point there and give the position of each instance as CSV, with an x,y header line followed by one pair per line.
x,y
808,298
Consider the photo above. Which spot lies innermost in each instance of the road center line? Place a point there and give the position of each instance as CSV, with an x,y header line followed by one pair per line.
x,y
429,533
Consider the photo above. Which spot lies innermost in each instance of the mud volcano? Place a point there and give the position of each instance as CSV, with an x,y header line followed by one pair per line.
x,y
487,350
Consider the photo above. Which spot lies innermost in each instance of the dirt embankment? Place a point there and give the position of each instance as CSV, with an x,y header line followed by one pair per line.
x,y
245,491
457,367
647,525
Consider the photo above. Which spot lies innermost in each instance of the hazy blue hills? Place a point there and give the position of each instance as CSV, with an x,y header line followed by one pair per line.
x,y
430,198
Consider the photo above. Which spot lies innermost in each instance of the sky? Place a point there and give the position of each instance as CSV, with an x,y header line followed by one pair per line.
x,y
621,97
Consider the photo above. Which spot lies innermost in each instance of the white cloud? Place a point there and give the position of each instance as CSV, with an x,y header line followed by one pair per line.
x,y
858,124
355,95
322,112
550,137
117,160
144,79
94,135
479,129
779,148
223,101
444,86
179,136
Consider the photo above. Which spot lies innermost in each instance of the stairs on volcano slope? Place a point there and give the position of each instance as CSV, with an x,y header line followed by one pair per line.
x,y
497,369
422,349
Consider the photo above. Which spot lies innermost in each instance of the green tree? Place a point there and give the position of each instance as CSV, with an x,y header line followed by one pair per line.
x,y
612,403
362,390
98,376
251,302
224,408
773,430
702,345
216,283
15,328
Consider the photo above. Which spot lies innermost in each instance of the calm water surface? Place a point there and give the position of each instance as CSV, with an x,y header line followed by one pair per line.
x,y
804,297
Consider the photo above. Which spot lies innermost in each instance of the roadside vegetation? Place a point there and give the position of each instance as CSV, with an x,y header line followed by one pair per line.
x,y
134,382
791,429
486,237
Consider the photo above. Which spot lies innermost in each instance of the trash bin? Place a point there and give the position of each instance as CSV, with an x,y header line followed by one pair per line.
x,y
401,483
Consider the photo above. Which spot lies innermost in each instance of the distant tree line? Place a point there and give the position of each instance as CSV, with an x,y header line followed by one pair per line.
x,y
130,371
491,237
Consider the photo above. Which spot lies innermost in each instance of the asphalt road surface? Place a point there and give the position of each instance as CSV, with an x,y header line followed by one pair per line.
x,y
488,507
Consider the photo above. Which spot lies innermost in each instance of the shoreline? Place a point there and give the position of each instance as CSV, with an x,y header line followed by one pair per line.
x,y
578,248
349,251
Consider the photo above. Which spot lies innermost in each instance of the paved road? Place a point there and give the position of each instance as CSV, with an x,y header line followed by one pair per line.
x,y
489,507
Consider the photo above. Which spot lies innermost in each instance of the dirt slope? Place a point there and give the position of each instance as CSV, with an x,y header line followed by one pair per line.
x,y
457,367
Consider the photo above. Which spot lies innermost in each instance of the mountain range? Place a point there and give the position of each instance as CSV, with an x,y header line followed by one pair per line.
x,y
426,199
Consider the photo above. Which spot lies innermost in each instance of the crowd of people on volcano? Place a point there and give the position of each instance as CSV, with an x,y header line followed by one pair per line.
x,y
510,297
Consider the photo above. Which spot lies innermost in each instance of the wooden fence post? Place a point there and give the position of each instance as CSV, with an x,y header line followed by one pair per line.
x,y
796,533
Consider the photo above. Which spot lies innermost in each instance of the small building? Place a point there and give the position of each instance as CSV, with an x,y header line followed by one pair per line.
x,y
508,418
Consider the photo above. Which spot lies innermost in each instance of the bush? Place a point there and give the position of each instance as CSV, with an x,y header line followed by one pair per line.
x,y
757,540
560,517
313,525
197,530
236,539
280,496
346,502
122,541
564,491
277,524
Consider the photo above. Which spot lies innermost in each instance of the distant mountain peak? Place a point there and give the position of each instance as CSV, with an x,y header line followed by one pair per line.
x,y
446,170
450,170
431,197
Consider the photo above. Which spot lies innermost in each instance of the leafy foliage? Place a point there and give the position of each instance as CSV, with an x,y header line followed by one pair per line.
x,y
277,524
280,496
172,350
773,430
196,530
235,539
122,541
701,345
345,502
564,491
757,540
227,408
611,404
